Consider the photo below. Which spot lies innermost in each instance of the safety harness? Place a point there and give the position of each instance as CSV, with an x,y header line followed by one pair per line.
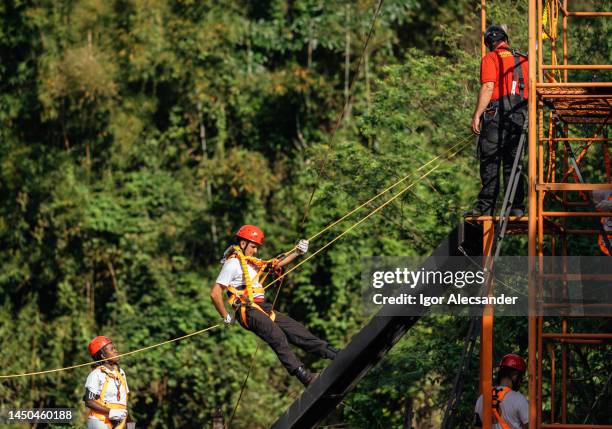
x,y
498,397
243,298
119,380
517,74
515,101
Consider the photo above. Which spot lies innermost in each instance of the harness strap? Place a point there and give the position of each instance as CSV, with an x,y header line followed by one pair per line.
x,y
249,282
242,309
514,101
244,298
517,74
518,79
498,396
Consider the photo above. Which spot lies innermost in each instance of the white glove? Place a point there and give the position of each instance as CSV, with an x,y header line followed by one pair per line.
x,y
302,247
117,415
228,319
604,205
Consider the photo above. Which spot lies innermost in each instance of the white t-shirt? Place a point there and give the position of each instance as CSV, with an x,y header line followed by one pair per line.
x,y
95,382
514,410
231,275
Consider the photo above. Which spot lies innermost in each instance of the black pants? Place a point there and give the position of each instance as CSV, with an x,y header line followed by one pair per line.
x,y
497,147
282,332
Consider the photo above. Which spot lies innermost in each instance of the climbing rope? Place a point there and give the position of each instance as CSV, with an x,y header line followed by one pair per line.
x,y
337,123
133,352
246,378
450,152
454,150
389,188
550,18
244,383
369,215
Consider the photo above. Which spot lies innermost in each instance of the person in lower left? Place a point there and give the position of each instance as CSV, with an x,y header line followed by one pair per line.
x,y
106,388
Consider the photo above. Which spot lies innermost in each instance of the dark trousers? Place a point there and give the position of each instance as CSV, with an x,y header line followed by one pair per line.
x,y
282,332
497,147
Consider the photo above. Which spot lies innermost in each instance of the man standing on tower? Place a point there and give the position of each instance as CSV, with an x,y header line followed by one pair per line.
x,y
501,111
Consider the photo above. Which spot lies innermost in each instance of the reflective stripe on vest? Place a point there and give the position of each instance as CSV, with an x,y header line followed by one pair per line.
x,y
498,396
110,375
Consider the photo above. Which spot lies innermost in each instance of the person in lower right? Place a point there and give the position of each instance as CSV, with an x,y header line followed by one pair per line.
x,y
510,407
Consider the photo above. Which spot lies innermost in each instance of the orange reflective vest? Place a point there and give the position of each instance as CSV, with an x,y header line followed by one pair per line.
x,y
114,376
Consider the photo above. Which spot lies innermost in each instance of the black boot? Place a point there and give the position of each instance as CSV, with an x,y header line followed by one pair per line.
x,y
305,376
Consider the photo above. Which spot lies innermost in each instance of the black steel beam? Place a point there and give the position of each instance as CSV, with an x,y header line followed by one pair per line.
x,y
369,345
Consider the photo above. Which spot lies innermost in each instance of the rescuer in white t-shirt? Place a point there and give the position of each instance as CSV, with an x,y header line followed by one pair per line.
x,y
241,279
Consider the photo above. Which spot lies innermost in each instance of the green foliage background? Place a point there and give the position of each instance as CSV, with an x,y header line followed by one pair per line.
x,y
137,135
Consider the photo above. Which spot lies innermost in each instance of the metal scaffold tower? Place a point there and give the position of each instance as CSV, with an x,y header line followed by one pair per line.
x,y
565,110
562,112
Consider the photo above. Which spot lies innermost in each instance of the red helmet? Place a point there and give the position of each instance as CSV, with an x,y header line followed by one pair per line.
x,y
513,361
98,344
251,233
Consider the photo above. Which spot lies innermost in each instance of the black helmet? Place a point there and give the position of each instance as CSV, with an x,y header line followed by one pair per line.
x,y
493,34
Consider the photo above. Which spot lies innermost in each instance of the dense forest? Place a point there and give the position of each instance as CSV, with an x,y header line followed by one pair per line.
x,y
137,136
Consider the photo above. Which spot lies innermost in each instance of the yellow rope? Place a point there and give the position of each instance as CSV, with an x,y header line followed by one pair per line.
x,y
384,191
545,15
248,281
279,278
356,224
244,383
550,18
49,371
331,225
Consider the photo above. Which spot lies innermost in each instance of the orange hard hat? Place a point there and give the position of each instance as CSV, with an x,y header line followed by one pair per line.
x,y
513,361
251,233
98,344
